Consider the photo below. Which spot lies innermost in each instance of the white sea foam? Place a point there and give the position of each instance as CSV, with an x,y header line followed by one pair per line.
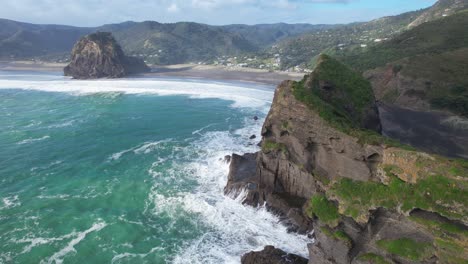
x,y
127,255
31,140
236,229
144,148
10,202
58,196
241,95
57,257
63,124
76,237
34,124
198,131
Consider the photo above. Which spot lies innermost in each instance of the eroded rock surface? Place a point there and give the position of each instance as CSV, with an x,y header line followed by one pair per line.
x,y
98,55
271,255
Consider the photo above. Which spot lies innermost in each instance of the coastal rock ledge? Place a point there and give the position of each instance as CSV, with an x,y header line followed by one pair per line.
x,y
272,255
98,55
324,166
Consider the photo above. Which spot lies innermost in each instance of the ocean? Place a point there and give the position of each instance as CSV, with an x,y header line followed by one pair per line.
x,y
128,171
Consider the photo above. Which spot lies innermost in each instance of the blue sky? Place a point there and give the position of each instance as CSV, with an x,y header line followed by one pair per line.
x,y
216,12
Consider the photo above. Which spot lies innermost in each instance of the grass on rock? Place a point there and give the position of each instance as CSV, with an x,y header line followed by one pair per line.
x,y
407,248
323,209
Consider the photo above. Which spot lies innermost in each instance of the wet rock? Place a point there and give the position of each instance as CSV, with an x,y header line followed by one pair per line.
x,y
253,137
272,255
241,174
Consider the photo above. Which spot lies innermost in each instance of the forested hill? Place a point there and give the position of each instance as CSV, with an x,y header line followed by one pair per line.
x,y
268,46
156,42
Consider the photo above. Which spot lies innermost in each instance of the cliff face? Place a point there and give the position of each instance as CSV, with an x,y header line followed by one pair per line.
x,y
368,199
98,55
424,101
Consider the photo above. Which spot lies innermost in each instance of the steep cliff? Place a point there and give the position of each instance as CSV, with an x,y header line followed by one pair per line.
x,y
368,199
98,55
424,101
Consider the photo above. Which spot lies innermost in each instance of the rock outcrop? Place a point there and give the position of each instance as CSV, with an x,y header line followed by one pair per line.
x,y
271,255
98,55
324,167
423,101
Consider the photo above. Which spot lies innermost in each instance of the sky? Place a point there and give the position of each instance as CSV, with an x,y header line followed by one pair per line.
x,y
214,12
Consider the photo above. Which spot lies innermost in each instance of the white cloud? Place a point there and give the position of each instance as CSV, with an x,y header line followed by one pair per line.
x,y
173,8
98,12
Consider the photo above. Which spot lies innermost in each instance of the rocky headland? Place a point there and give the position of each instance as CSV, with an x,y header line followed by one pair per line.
x,y
327,170
98,55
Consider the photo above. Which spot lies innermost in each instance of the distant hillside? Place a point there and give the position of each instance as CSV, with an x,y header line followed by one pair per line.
x,y
266,46
23,40
302,49
268,34
440,9
438,36
179,42
155,42
356,38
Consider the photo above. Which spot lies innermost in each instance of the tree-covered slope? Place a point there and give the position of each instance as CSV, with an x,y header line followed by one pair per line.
x,y
179,42
302,49
447,34
264,35
23,40
155,42
357,38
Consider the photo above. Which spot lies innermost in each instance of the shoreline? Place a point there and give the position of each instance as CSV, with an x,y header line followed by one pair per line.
x,y
208,72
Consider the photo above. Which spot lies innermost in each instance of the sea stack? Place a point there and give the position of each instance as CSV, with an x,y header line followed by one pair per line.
x,y
98,55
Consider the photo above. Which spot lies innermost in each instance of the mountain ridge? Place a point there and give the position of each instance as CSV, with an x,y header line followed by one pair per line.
x,y
271,46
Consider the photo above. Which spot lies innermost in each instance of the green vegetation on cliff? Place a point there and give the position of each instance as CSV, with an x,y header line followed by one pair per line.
x,y
323,209
440,189
443,194
346,107
435,53
407,248
338,235
373,258
268,145
455,100
338,94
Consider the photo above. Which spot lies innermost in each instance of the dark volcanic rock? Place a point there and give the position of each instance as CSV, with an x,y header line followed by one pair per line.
x,y
98,55
227,159
271,255
241,174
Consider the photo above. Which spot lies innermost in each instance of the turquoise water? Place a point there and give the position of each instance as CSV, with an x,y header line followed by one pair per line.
x,y
127,171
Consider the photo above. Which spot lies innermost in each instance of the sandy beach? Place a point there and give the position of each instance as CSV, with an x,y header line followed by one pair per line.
x,y
182,70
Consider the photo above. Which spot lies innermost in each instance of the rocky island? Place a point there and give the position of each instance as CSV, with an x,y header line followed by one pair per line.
x,y
98,55
363,198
